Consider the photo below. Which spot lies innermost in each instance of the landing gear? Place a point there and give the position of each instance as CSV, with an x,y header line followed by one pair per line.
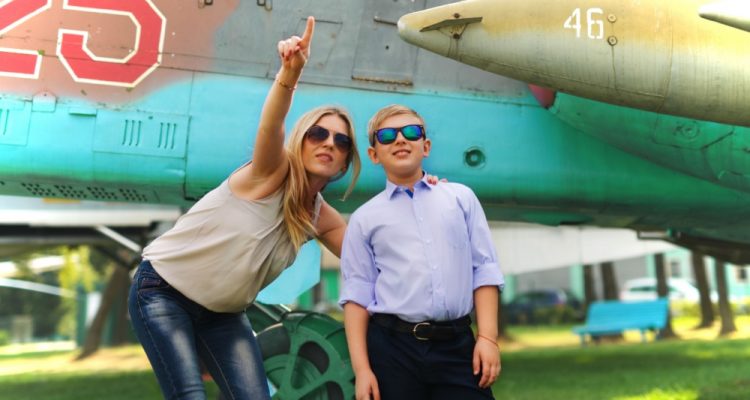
x,y
305,357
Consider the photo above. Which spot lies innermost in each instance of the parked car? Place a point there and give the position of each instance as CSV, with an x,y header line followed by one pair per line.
x,y
543,306
645,289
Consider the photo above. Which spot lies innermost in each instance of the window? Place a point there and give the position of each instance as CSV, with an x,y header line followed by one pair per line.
x,y
741,274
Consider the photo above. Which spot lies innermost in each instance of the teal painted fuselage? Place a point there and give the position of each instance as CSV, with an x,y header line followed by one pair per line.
x,y
190,122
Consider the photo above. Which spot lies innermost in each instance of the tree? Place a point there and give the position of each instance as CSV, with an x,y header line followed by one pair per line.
x,y
77,275
589,293
662,291
725,311
609,280
701,279
117,289
45,310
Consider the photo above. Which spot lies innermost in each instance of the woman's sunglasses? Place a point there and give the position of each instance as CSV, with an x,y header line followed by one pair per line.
x,y
388,135
318,134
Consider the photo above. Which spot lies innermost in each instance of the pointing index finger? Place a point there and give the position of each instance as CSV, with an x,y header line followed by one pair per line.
x,y
307,36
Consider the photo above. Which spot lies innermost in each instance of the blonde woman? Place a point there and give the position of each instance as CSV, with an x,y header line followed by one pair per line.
x,y
189,293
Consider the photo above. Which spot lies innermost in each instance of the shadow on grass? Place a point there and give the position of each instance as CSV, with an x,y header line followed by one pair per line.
x,y
34,355
668,370
731,390
139,385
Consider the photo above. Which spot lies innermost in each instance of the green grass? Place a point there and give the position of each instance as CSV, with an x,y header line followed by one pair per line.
x,y
111,374
72,385
540,363
665,370
104,385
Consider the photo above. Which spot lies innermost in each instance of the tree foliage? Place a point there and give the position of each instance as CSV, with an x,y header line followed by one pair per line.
x,y
45,310
52,315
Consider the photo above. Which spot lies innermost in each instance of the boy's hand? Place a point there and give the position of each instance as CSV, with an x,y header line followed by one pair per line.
x,y
366,386
295,51
487,361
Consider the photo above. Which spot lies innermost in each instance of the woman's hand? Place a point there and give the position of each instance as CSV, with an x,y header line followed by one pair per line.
x,y
295,51
433,179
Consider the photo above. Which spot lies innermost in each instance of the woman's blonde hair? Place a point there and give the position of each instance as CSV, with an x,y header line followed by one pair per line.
x,y
385,113
298,220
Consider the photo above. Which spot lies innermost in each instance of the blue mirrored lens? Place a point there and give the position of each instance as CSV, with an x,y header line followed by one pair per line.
x,y
386,135
412,132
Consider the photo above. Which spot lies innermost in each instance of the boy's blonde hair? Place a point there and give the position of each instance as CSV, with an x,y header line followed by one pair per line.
x,y
296,217
385,113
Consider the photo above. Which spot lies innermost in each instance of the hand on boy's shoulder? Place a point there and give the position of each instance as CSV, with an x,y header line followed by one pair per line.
x,y
434,179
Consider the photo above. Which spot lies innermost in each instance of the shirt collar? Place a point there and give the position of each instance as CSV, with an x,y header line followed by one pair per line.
x,y
391,188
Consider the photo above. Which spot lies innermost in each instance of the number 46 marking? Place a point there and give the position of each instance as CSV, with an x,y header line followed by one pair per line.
x,y
72,49
594,22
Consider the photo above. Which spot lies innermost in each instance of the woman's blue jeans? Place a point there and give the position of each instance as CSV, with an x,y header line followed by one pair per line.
x,y
177,334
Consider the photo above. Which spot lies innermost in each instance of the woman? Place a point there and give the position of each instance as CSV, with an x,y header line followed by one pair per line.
x,y
189,294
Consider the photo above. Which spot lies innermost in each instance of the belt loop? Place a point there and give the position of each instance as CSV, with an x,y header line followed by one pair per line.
x,y
458,324
390,322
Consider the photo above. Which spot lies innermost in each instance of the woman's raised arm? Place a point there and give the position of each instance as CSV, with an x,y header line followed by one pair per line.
x,y
269,167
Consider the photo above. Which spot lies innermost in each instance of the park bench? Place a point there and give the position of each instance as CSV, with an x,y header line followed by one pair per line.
x,y
615,317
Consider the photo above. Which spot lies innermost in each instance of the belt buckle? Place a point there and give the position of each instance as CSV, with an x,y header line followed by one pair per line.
x,y
414,331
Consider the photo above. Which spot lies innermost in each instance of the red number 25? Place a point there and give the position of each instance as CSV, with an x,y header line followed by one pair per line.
x,y
81,63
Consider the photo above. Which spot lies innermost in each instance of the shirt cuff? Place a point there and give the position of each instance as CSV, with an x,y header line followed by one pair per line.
x,y
488,275
361,293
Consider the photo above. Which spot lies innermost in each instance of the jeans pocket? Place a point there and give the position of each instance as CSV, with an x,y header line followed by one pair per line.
x,y
147,283
149,279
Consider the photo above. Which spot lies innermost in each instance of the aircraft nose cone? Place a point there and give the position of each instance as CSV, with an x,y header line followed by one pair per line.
x,y
735,13
411,29
406,28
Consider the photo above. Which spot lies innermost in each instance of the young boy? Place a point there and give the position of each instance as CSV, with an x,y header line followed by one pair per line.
x,y
416,259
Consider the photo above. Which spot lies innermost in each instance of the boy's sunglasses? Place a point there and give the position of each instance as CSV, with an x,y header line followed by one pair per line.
x,y
388,135
318,134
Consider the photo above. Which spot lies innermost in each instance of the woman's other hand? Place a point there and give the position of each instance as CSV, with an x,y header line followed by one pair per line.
x,y
434,179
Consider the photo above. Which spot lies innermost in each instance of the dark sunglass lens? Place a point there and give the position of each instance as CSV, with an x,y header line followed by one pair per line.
x,y
343,142
317,133
386,135
412,132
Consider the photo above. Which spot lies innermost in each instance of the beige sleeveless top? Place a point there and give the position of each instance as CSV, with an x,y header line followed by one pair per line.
x,y
223,251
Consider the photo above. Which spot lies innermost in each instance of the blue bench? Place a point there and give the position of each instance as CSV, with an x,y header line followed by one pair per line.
x,y
614,317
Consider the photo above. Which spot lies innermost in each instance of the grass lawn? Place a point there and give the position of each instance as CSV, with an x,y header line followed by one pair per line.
x,y
539,363
549,363
686,369
122,373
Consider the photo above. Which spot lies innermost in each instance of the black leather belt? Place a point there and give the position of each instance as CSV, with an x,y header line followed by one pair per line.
x,y
426,330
